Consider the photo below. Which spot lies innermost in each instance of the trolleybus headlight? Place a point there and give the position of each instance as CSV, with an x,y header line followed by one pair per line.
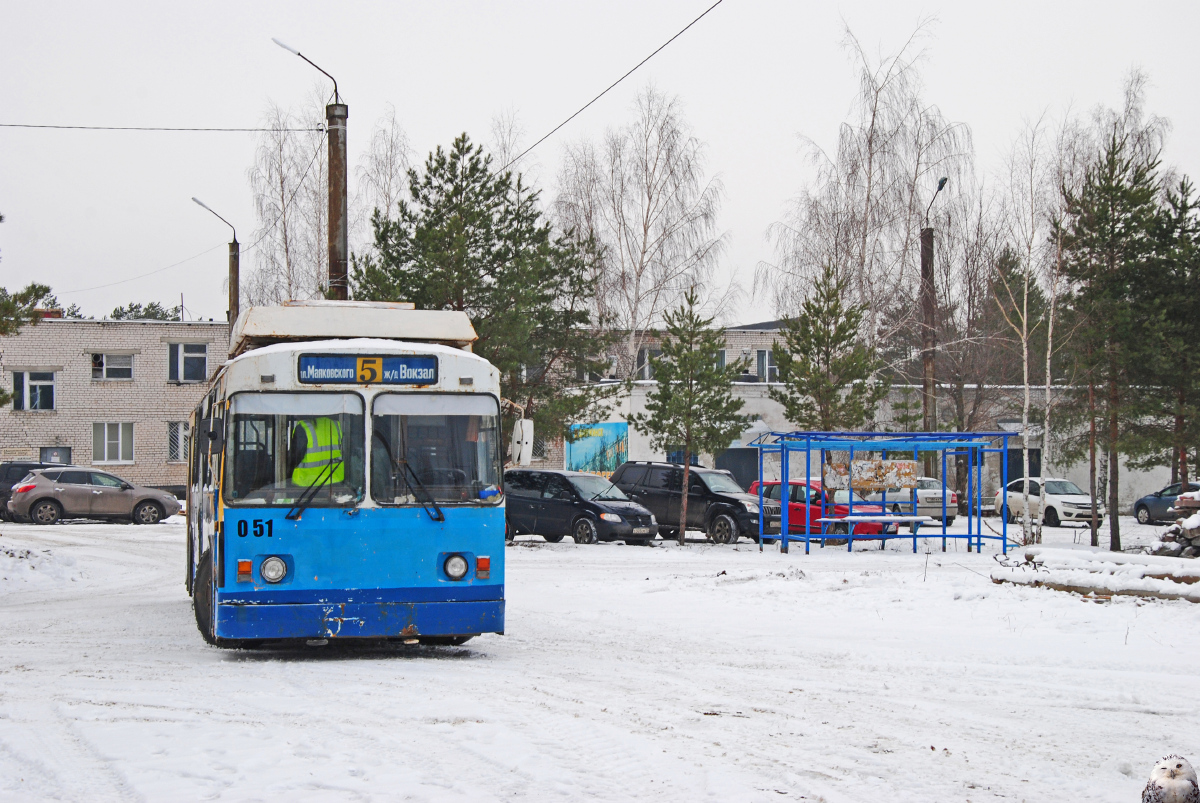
x,y
455,567
273,569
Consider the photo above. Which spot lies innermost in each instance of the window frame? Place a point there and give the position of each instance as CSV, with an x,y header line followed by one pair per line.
x,y
22,395
105,356
121,429
177,358
179,440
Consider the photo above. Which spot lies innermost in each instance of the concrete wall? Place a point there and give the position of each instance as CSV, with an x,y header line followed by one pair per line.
x,y
149,400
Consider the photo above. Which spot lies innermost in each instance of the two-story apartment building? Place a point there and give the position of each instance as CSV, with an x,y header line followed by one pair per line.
x,y
115,394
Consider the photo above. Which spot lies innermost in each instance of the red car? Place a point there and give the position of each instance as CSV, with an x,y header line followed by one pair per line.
x,y
836,504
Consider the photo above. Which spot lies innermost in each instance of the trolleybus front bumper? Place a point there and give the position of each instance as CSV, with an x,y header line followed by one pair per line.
x,y
238,620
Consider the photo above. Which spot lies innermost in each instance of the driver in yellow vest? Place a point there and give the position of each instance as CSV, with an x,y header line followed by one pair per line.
x,y
317,445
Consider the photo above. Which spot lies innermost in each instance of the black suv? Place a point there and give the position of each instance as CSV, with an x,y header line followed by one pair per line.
x,y
13,472
586,507
716,503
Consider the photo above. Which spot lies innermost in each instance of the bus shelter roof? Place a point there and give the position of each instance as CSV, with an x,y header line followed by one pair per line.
x,y
875,441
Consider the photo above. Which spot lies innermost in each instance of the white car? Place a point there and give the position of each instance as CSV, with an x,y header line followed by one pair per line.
x,y
1061,499
929,500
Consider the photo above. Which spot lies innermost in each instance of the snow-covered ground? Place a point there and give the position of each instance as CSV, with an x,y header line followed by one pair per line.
x,y
695,673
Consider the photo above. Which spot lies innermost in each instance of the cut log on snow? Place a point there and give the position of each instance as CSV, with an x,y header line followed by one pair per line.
x,y
1103,573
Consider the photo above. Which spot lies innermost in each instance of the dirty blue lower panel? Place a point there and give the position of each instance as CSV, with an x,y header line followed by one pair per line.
x,y
359,619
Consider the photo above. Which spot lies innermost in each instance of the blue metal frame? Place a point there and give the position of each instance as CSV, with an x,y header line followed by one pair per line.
x,y
972,445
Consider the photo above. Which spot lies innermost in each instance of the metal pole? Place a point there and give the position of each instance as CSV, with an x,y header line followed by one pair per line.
x,y
234,281
928,340
335,117
784,486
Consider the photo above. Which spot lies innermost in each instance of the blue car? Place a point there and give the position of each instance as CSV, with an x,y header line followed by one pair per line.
x,y
1153,507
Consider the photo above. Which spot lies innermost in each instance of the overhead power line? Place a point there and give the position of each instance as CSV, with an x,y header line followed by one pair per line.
x,y
149,128
610,86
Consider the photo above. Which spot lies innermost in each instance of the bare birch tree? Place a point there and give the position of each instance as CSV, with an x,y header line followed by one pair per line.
x,y
645,197
289,180
1027,194
863,213
381,176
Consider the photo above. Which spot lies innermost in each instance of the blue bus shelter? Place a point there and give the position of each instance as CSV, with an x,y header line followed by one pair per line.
x,y
974,447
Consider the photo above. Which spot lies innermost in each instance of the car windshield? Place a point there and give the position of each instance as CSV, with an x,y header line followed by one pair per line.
x,y
443,448
929,485
843,498
1062,487
596,487
721,483
281,445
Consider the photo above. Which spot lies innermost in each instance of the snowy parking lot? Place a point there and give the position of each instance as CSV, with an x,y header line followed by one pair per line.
x,y
666,673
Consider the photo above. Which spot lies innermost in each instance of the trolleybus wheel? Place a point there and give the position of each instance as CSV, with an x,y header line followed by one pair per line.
x,y
584,532
147,513
202,597
509,535
723,529
46,511
552,539
445,641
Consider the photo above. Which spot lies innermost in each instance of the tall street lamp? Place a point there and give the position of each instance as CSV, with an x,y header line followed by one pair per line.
x,y
928,327
335,119
234,258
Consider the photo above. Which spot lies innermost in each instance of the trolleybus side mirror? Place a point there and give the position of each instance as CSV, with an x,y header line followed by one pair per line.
x,y
213,430
521,449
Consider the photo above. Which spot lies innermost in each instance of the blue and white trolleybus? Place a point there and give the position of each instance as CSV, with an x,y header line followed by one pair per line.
x,y
345,480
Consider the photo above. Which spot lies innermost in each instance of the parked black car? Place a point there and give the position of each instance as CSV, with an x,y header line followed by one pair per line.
x,y
586,507
716,503
10,474
1153,507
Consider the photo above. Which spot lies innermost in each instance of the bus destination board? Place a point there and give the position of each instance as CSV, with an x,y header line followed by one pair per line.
x,y
365,369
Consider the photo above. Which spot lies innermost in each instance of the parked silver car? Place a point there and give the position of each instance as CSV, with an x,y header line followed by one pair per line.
x,y
929,500
50,495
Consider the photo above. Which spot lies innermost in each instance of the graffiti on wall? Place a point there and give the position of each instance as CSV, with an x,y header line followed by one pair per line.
x,y
598,448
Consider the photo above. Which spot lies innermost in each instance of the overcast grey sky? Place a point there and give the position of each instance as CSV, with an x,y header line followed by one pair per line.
x,y
91,208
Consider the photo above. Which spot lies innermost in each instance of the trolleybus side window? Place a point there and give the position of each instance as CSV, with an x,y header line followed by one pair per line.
x,y
444,447
282,444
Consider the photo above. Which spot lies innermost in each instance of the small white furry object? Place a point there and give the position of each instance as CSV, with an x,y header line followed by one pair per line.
x,y
1172,781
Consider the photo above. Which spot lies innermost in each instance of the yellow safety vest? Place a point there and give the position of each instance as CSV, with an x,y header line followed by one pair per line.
x,y
324,448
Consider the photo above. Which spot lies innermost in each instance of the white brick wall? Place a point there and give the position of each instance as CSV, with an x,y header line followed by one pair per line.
x,y
149,400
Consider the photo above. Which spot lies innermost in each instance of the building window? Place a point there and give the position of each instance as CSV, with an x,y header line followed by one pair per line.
x,y
721,360
187,362
33,390
645,369
112,443
177,441
539,447
112,366
55,454
767,372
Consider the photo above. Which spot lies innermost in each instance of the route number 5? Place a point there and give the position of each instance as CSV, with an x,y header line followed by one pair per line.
x,y
369,369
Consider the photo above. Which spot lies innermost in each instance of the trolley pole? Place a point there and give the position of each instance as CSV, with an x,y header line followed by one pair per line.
x,y
335,117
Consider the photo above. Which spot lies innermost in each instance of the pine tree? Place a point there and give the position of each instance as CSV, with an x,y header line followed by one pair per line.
x,y
135,311
829,375
1109,257
693,404
472,240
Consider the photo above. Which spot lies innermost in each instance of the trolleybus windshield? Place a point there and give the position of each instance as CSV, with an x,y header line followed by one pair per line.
x,y
283,445
439,447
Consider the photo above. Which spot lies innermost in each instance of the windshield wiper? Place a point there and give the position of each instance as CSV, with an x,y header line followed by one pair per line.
x,y
310,493
436,514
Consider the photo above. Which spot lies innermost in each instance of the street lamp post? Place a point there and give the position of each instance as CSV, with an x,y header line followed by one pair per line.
x,y
234,259
339,247
928,329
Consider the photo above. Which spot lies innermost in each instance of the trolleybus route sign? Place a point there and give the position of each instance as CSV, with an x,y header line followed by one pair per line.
x,y
364,369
